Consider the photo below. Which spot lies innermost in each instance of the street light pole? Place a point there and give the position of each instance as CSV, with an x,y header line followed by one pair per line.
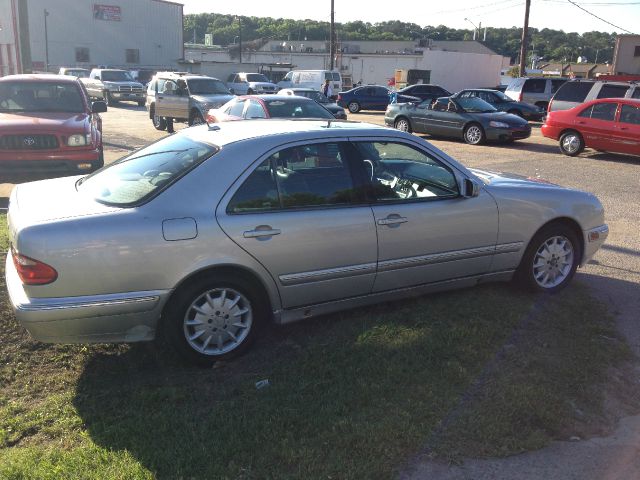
x,y
475,28
240,37
46,42
523,41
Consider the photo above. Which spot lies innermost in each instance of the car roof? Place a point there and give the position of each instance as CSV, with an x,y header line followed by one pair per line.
x,y
225,133
628,101
40,77
286,98
301,89
479,90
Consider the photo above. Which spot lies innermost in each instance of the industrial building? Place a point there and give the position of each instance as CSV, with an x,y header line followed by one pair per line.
x,y
43,35
452,64
626,56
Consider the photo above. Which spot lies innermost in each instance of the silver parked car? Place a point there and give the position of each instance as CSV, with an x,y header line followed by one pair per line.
x,y
212,232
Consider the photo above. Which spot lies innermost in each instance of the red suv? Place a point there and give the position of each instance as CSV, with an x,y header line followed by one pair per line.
x,y
49,125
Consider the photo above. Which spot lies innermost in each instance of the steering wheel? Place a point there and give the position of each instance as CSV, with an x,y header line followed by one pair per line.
x,y
404,189
157,177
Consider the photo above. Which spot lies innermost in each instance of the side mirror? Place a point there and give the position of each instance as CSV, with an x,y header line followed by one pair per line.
x,y
99,107
471,188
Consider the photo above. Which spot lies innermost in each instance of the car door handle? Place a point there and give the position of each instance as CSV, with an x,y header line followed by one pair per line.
x,y
624,128
261,231
393,219
581,123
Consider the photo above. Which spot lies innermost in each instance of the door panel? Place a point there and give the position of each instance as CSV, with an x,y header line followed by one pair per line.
x,y
627,130
596,124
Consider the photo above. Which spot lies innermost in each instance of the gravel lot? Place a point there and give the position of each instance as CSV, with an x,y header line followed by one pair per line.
x,y
614,276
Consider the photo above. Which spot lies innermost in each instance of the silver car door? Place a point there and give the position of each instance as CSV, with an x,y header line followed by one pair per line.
x,y
427,231
299,214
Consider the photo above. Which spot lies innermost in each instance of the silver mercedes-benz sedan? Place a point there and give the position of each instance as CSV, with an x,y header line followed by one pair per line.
x,y
208,234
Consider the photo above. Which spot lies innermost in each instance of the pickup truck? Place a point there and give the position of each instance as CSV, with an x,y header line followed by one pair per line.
x,y
114,86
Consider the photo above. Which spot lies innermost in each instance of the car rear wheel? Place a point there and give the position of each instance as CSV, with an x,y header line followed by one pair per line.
x,y
354,107
195,118
551,259
571,143
249,91
158,122
474,134
403,124
213,318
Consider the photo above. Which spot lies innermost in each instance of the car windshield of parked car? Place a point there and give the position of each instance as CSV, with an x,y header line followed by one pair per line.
x,y
139,177
256,77
207,86
475,105
296,109
77,73
116,76
41,97
314,95
502,96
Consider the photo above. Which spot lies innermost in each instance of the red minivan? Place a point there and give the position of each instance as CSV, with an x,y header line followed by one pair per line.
x,y
607,124
49,126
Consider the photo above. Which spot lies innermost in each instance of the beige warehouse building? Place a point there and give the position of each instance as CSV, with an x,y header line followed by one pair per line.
x,y
36,35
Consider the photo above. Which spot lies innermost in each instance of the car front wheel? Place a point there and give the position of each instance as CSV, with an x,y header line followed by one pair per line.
x,y
402,124
196,119
551,259
474,134
354,107
213,318
571,143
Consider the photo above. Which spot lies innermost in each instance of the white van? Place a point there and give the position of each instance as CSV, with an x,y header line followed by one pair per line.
x,y
312,79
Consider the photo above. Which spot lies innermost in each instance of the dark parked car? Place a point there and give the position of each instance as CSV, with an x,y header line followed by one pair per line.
x,y
611,125
370,97
425,91
268,106
49,126
573,93
503,103
470,119
319,97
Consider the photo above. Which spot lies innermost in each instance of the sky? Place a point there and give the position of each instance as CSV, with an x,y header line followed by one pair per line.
x,y
554,14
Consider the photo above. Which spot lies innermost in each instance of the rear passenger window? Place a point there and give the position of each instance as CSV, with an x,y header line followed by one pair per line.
x,y
601,111
613,91
259,192
556,84
573,91
636,93
630,114
534,85
236,109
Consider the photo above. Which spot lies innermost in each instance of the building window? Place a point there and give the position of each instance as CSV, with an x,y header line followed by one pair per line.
x,y
82,55
636,52
133,55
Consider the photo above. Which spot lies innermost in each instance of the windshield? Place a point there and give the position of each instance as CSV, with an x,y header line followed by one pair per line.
x,y
475,105
116,76
256,77
40,97
143,174
296,109
313,95
77,73
206,86
501,96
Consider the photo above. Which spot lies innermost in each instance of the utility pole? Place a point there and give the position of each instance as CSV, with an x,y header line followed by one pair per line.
x,y
240,38
523,42
332,43
46,42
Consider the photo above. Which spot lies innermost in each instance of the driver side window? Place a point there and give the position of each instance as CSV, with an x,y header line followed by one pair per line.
x,y
399,172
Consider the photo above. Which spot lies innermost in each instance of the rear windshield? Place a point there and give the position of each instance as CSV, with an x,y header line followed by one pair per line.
x,y
613,91
206,86
140,176
296,109
77,73
21,96
573,91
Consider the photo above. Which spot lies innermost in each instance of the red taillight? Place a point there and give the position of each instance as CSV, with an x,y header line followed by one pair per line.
x,y
520,96
33,272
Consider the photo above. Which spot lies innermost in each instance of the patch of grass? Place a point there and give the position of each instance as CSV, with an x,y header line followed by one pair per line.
x,y
351,396
4,233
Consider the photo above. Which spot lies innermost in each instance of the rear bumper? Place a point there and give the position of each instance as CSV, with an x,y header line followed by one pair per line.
x,y
550,131
119,317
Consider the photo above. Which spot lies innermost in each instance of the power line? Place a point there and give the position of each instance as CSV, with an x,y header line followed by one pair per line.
x,y
596,16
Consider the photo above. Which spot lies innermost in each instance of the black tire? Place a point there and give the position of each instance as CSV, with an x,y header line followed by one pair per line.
x,y
474,134
195,118
571,143
353,106
220,315
159,123
249,91
403,124
141,103
109,100
544,256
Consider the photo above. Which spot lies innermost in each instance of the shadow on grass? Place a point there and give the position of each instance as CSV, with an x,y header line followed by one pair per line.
x,y
350,396
354,395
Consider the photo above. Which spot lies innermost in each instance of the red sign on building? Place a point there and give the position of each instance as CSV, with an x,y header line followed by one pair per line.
x,y
106,12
